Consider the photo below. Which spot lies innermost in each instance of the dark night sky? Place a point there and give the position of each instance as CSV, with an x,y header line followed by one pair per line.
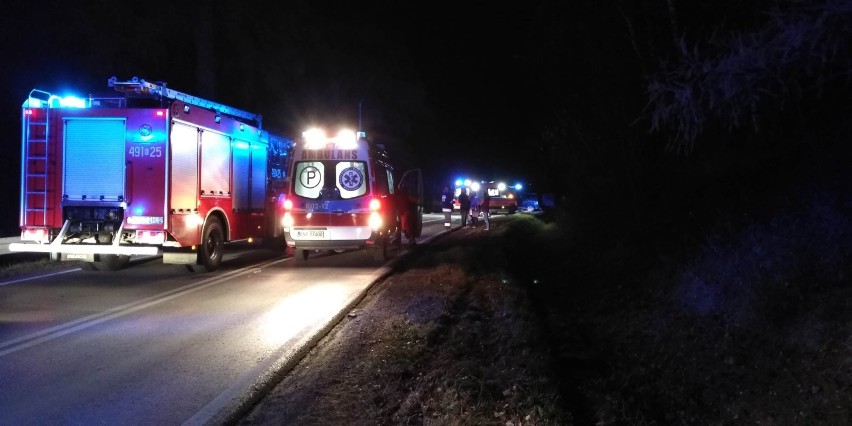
x,y
453,89
437,83
499,91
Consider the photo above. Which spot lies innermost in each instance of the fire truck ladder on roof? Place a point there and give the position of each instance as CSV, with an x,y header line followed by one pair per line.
x,y
34,206
139,86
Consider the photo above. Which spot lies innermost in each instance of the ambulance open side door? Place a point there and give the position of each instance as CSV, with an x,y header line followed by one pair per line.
x,y
413,181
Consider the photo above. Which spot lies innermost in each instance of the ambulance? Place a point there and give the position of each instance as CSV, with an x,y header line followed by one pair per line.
x,y
344,194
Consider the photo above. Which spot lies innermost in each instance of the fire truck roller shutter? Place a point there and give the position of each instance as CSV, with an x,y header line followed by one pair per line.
x,y
184,171
242,175
250,165
259,165
97,142
215,164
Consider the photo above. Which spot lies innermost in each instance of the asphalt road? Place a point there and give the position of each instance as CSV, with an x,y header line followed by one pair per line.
x,y
156,344
4,244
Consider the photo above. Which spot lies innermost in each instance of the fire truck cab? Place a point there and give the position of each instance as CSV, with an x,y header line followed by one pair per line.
x,y
343,194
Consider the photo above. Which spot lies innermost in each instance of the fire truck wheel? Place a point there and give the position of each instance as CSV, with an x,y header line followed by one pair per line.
x,y
212,245
110,262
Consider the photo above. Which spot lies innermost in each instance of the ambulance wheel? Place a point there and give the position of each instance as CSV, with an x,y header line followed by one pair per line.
x,y
212,245
301,255
110,262
380,252
275,243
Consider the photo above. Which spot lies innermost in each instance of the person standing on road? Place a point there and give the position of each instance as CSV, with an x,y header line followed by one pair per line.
x,y
447,206
407,206
464,207
485,207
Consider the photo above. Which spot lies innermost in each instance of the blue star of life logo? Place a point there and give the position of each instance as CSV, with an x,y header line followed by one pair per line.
x,y
351,179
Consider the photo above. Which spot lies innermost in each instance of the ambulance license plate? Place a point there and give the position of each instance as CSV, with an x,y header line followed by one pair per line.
x,y
309,234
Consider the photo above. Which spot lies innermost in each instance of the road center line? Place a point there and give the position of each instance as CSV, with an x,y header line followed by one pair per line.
x,y
60,330
39,276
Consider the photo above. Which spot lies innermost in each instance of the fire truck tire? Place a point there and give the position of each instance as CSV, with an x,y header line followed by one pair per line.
x,y
212,245
110,262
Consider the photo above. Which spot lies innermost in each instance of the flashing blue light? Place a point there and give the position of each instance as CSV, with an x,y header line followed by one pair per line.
x,y
66,102
518,187
33,103
458,182
138,210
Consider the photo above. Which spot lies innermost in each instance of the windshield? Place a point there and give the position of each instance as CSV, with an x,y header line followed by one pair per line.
x,y
330,180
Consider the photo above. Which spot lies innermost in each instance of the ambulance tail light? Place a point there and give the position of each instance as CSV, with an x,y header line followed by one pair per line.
x,y
287,218
375,220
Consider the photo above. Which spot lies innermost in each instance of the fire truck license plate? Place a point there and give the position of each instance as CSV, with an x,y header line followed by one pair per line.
x,y
309,234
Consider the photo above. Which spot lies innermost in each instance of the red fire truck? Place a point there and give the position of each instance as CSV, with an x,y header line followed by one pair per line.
x,y
150,171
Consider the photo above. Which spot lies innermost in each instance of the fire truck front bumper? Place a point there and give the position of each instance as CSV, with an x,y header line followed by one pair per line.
x,y
86,249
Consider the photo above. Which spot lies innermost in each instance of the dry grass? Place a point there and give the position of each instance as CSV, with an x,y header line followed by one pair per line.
x,y
483,329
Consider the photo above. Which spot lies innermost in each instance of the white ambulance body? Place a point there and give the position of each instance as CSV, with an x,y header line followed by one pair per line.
x,y
343,194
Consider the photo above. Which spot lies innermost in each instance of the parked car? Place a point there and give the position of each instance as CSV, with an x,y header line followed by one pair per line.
x,y
530,203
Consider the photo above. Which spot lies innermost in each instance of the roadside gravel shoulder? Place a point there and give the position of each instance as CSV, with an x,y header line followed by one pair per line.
x,y
446,339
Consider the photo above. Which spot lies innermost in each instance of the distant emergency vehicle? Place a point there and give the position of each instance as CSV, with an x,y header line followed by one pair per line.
x,y
503,199
343,193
